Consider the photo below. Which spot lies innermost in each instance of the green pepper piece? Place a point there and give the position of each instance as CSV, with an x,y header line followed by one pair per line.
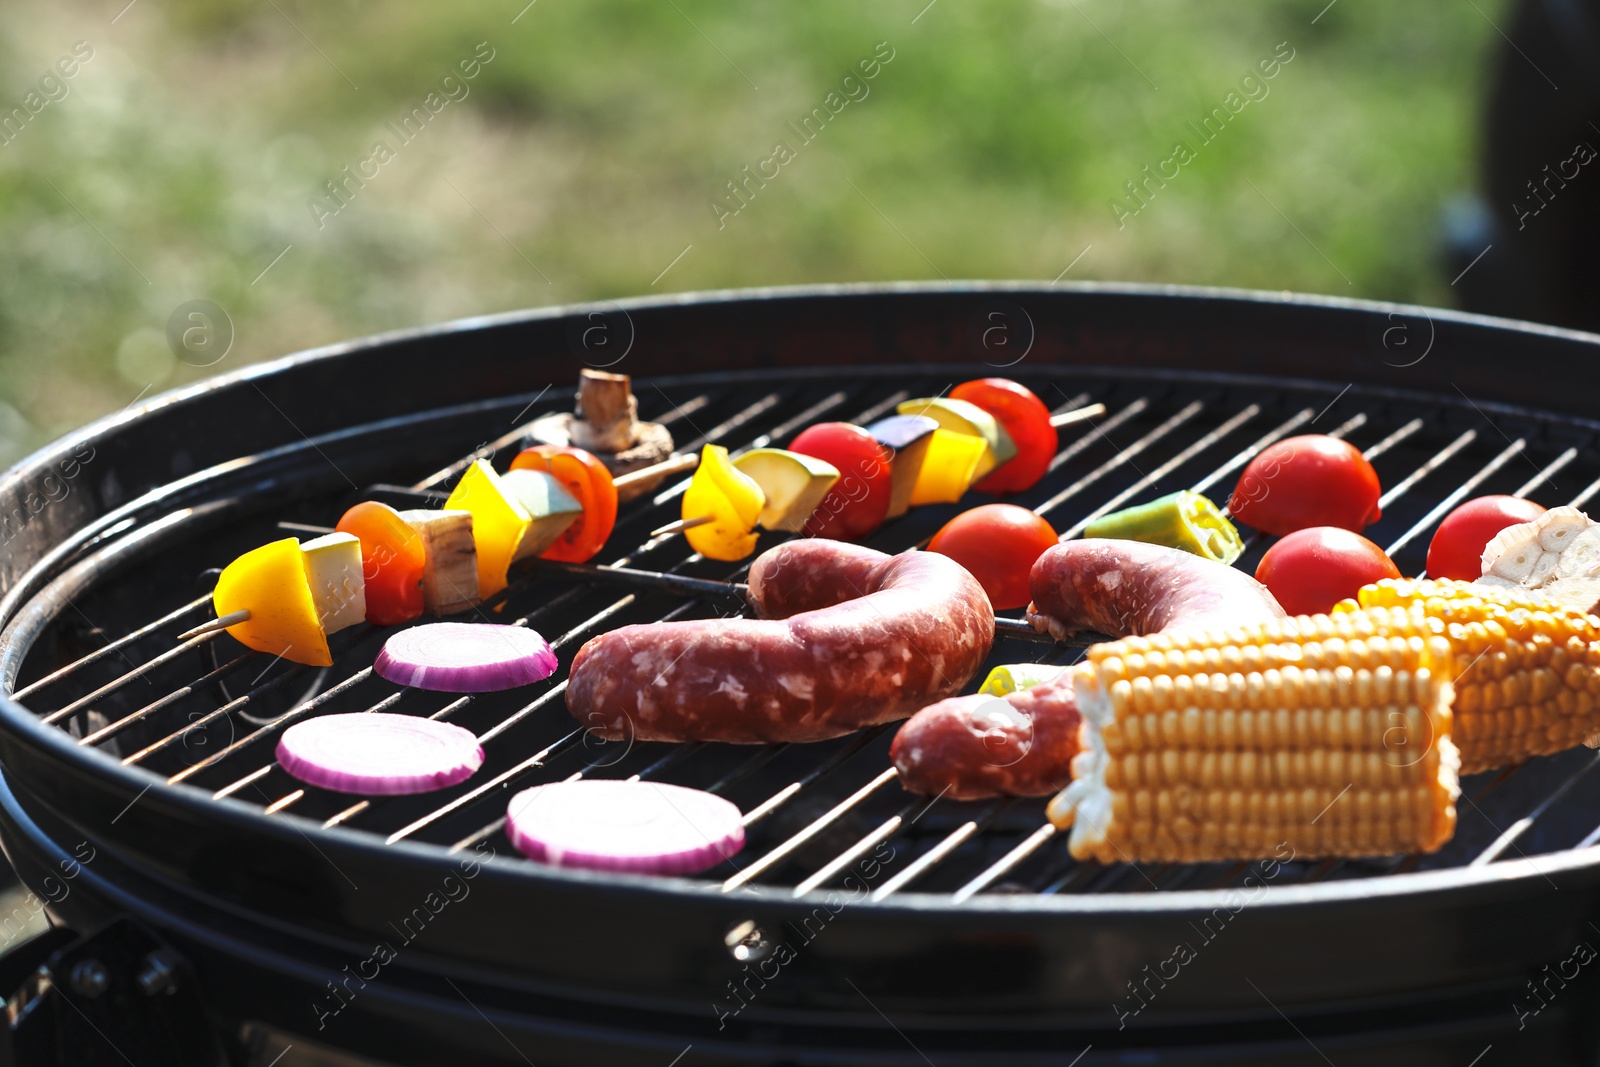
x,y
1015,677
1184,519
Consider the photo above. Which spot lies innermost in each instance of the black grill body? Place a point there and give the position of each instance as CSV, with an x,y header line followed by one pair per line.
x,y
277,904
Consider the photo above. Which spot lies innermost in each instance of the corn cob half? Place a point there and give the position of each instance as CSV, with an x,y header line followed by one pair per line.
x,y
1328,732
1526,669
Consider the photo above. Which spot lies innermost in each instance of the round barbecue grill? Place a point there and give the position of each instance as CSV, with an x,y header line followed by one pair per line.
x,y
210,909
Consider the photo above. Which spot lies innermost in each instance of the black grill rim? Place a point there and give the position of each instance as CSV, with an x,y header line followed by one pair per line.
x,y
41,763
52,741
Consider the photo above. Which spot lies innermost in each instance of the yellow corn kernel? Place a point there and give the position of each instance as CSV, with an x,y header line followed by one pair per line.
x,y
1247,738
1524,667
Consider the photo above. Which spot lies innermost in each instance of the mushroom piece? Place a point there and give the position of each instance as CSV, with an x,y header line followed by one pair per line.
x,y
606,423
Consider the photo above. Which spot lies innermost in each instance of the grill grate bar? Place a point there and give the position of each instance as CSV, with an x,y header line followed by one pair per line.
x,y
716,433
665,581
243,700
1589,839
1456,496
769,860
756,761
998,869
788,792
1544,476
810,414
120,643
173,697
1350,426
123,679
233,787
844,859
724,428
1440,458
941,851
1509,836
1164,469
1077,874
291,715
1393,439
1588,491
1124,455
1096,432
556,748
483,451
1298,419
882,407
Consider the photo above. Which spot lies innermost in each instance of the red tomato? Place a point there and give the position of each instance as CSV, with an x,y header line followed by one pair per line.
x,y
999,544
1312,570
392,559
1457,548
1307,481
1026,419
859,500
589,481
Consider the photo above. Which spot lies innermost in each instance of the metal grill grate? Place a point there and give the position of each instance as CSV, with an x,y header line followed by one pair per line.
x,y
191,715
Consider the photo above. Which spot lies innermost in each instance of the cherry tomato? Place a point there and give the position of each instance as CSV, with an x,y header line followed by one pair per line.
x,y
392,559
1026,419
588,480
1457,547
1300,482
859,500
999,544
1310,571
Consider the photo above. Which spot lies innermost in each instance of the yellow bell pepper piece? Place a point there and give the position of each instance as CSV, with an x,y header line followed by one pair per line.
x,y
1015,677
271,583
950,466
498,523
963,416
731,498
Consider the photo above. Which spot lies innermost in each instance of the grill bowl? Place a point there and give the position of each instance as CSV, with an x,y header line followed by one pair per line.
x,y
279,911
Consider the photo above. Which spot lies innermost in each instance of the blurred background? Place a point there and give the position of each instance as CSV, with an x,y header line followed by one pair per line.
x,y
257,155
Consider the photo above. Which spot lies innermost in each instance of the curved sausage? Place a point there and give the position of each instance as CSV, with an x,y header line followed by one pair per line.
x,y
1131,589
848,638
1022,744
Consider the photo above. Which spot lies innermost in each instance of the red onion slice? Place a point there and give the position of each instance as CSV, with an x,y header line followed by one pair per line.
x,y
644,827
465,657
379,754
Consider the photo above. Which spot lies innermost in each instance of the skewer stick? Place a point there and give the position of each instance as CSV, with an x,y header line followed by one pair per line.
x,y
230,619
684,461
1067,418
305,527
681,525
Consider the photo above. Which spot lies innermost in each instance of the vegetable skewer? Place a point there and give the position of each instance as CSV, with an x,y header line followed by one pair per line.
x,y
559,502
390,566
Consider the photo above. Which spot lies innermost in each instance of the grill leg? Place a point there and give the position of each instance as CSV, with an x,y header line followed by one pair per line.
x,y
115,996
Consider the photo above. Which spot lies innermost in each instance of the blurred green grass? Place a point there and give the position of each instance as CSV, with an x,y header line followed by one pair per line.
x,y
589,150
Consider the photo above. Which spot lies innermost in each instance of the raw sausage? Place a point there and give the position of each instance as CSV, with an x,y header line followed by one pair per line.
x,y
1022,744
848,637
1131,589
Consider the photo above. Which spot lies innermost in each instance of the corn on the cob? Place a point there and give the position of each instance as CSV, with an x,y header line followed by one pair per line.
x,y
1329,732
1526,670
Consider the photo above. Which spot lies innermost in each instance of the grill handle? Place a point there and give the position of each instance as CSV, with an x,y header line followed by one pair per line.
x,y
112,997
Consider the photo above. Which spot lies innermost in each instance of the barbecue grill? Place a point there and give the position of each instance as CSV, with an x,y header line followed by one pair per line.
x,y
210,909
